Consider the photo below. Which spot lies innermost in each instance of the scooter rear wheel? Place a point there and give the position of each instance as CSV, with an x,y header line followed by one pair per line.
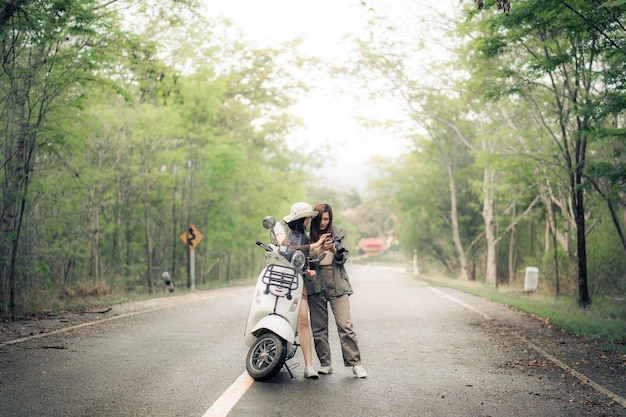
x,y
266,356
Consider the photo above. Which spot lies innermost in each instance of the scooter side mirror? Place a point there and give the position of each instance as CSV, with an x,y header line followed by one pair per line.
x,y
269,222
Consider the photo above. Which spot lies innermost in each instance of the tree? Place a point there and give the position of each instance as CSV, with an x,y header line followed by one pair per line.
x,y
192,119
49,49
557,47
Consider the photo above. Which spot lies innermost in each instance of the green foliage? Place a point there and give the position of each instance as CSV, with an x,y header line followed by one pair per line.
x,y
607,264
528,121
423,200
555,58
114,142
155,131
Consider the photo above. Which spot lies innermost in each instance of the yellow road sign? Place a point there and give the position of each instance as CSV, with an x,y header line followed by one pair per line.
x,y
191,237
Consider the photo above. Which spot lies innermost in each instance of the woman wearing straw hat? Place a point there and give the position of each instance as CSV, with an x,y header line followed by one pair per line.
x,y
297,221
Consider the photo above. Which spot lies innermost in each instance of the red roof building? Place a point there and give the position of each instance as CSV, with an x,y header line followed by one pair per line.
x,y
371,246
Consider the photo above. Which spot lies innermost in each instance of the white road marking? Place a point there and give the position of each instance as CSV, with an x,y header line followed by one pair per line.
x,y
578,375
70,328
456,300
583,378
229,398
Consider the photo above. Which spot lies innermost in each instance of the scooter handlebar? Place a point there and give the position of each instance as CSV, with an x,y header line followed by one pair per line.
x,y
263,245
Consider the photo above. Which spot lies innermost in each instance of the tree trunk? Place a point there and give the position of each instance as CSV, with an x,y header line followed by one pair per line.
x,y
95,236
511,257
488,217
6,233
148,234
623,194
9,244
149,256
614,215
579,210
455,225
174,234
562,238
19,153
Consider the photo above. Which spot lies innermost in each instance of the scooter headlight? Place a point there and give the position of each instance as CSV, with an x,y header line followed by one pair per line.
x,y
298,260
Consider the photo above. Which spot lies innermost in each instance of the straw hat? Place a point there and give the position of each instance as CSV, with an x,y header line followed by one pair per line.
x,y
300,210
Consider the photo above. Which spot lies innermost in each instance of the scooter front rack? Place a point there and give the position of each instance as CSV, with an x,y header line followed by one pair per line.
x,y
280,280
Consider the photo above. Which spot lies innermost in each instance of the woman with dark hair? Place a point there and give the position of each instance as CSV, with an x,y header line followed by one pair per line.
x,y
332,286
295,237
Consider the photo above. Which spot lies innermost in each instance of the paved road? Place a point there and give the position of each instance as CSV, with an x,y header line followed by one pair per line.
x,y
429,352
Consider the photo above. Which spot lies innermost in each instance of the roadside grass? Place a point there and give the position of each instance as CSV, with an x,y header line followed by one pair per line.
x,y
81,300
603,322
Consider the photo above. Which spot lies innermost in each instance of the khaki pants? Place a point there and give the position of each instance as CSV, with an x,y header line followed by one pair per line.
x,y
318,307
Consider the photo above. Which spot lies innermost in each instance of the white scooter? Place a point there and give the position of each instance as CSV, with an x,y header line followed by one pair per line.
x,y
271,328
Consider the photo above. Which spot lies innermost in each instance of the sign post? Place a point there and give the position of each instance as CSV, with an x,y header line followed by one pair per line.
x,y
191,238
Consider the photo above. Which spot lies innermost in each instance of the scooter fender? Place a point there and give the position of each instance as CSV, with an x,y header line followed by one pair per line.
x,y
276,324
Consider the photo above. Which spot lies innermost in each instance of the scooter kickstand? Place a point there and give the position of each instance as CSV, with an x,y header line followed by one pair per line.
x,y
295,365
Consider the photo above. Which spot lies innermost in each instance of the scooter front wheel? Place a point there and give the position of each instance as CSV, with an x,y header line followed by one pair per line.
x,y
266,356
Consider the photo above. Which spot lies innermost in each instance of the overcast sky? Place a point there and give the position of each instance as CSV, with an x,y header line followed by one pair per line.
x,y
330,114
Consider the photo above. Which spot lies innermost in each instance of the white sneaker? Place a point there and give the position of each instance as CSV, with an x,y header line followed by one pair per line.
x,y
328,369
310,372
359,371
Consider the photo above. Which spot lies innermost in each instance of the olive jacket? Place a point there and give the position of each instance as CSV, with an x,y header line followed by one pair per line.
x,y
342,280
